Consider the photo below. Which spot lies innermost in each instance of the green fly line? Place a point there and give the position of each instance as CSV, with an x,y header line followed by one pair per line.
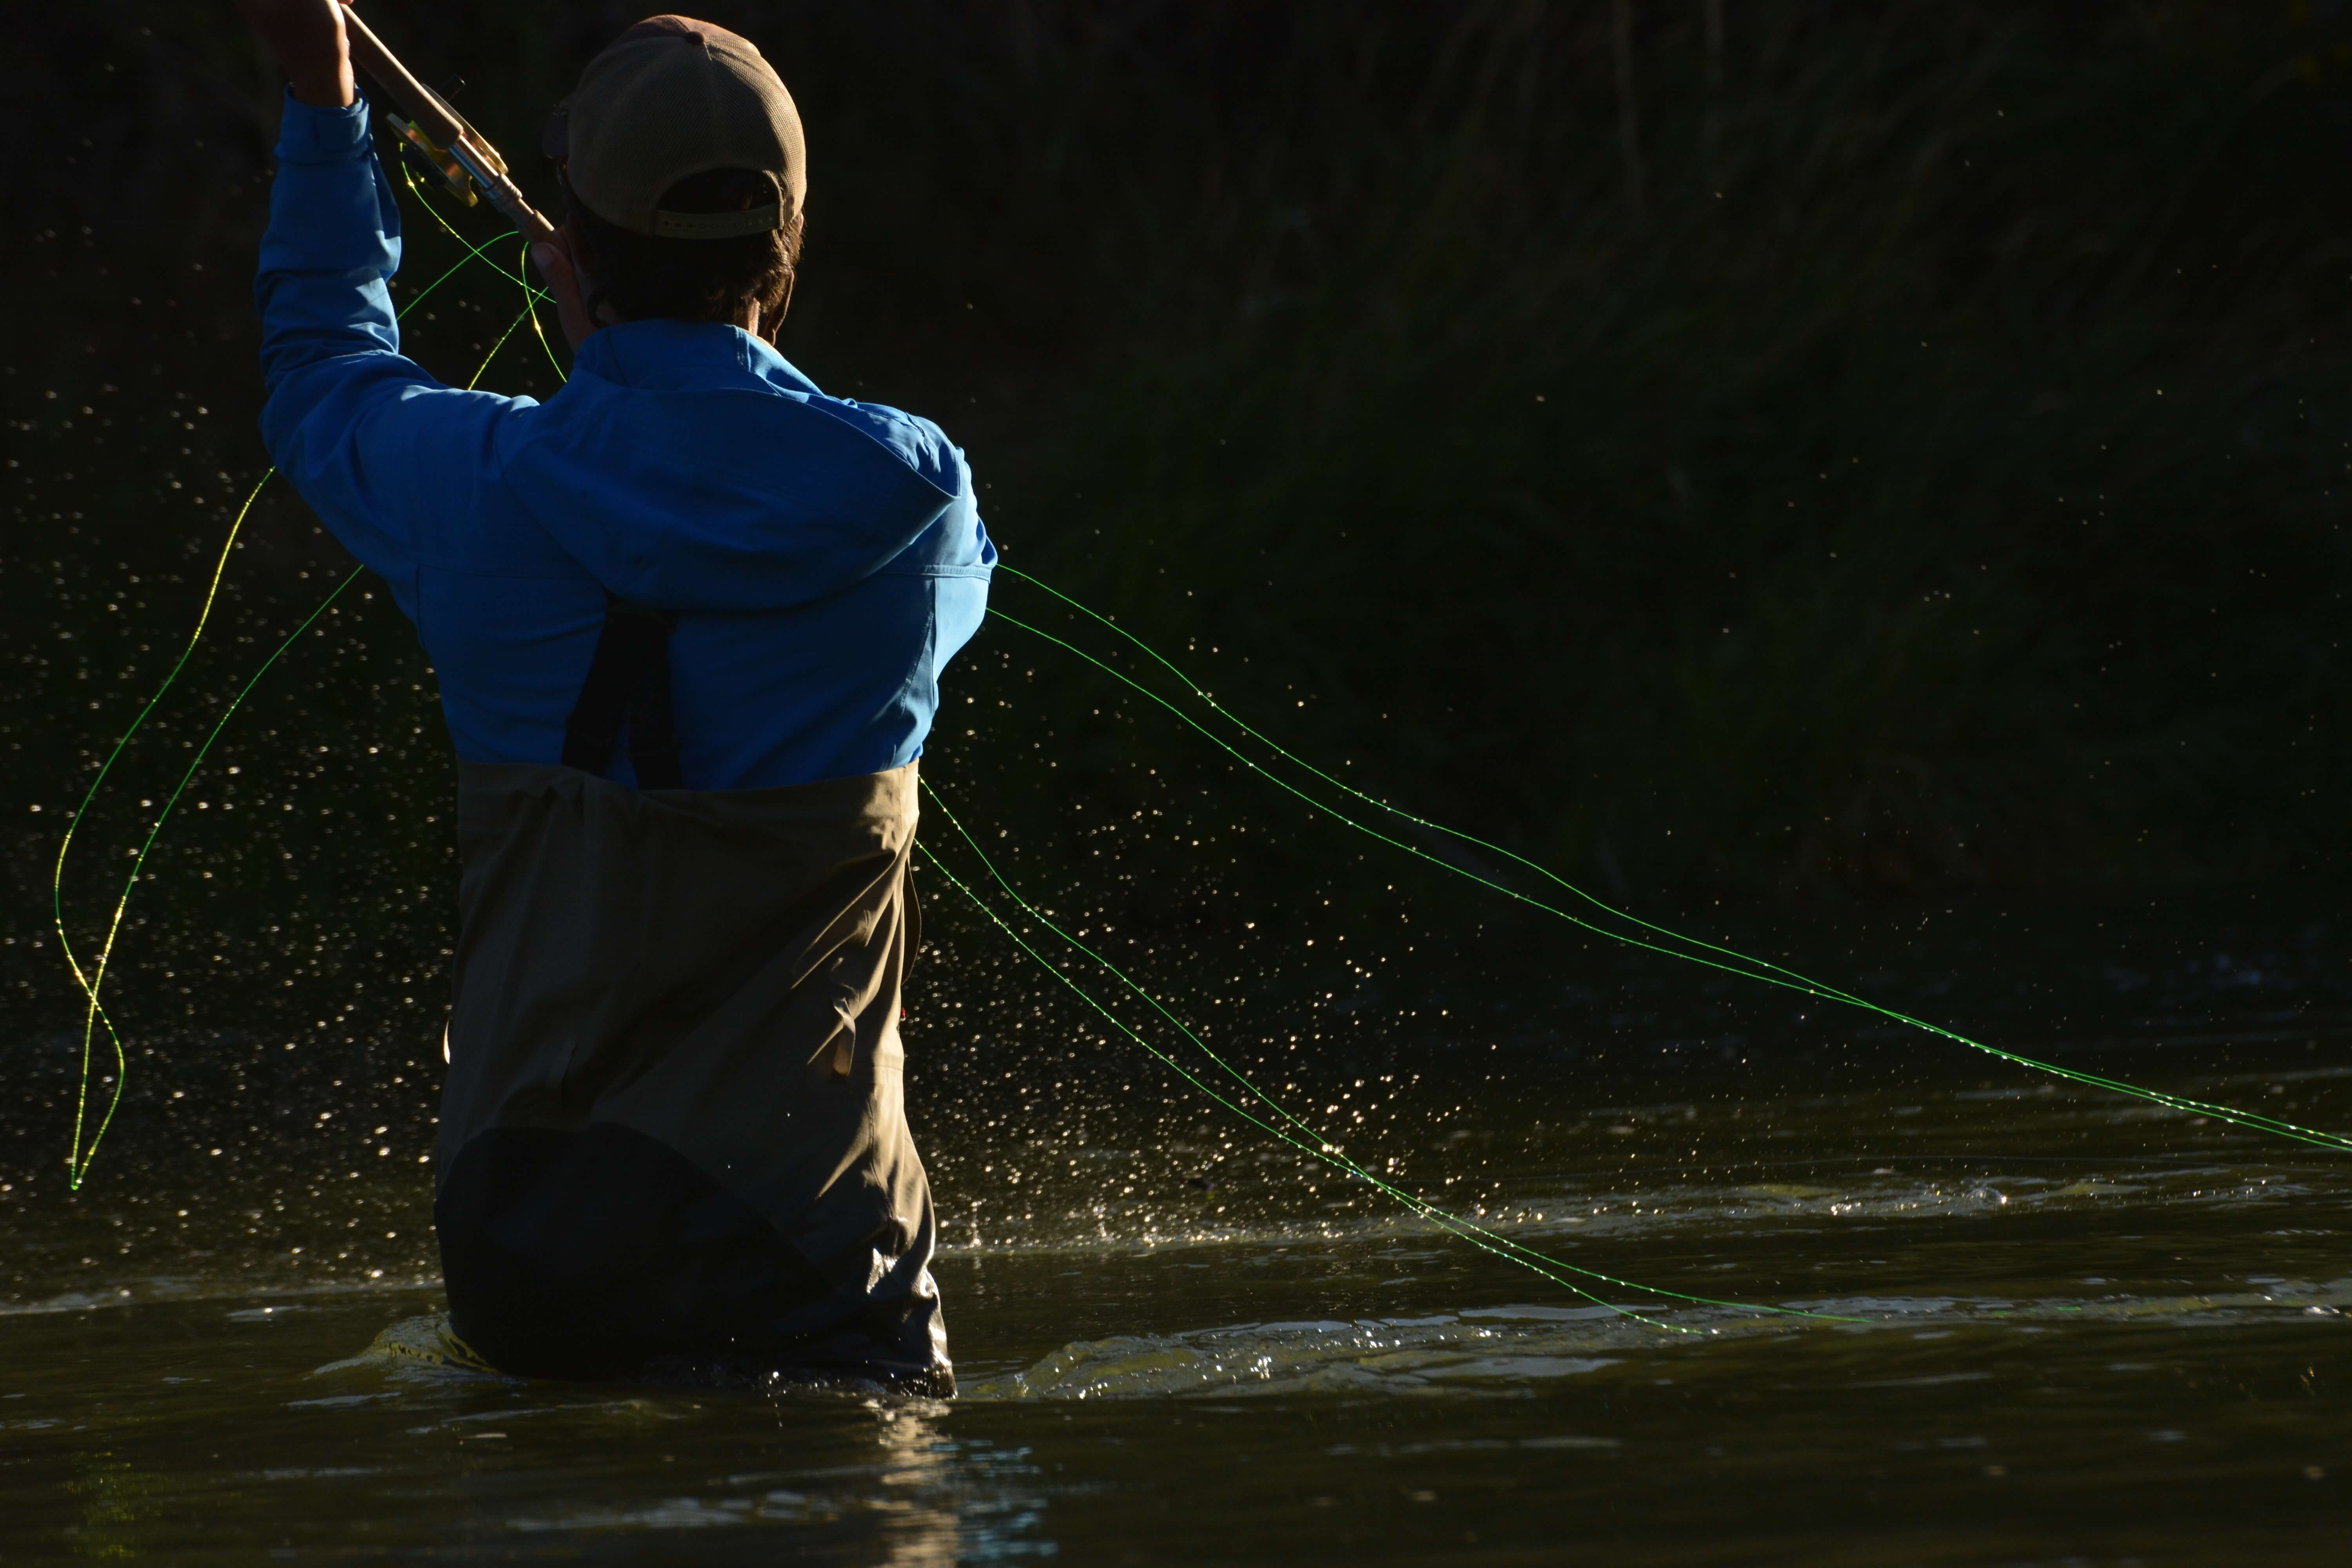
x,y
1726,959
91,981
1276,1121
1300,1134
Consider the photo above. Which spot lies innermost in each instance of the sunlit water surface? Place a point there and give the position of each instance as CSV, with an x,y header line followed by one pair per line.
x,y
2091,1330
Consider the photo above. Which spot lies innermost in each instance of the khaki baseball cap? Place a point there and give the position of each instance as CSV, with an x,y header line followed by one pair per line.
x,y
669,97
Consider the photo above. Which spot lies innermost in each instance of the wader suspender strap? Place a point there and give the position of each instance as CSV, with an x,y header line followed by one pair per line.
x,y
628,682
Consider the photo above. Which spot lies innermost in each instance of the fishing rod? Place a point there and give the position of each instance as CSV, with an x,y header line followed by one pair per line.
x,y
449,144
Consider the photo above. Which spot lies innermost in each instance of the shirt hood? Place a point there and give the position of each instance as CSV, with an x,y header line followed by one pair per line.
x,y
691,467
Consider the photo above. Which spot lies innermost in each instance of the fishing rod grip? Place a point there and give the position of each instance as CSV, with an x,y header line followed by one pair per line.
x,y
416,100
507,196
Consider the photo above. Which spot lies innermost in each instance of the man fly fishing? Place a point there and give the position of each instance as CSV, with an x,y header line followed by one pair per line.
x,y
689,618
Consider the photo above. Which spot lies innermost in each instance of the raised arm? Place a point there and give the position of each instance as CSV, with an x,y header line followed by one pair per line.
x,y
376,445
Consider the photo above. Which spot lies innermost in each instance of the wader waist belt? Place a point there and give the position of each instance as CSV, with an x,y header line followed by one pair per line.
x,y
672,1125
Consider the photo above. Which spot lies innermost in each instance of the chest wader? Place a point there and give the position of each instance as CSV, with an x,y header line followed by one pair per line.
x,y
673,1139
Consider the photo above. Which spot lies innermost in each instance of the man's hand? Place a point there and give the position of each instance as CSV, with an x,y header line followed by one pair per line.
x,y
553,257
307,38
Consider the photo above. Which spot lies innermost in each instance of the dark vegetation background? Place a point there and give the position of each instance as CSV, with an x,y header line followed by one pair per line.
x,y
1858,454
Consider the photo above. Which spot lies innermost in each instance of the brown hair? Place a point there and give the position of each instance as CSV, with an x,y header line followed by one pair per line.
x,y
644,278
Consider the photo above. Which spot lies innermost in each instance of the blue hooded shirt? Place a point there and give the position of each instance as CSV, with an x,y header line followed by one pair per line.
x,y
824,556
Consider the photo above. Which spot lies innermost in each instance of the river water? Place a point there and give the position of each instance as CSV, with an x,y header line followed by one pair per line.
x,y
2084,1329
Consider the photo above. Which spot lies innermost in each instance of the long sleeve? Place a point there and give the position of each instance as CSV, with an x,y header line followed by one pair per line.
x,y
379,447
